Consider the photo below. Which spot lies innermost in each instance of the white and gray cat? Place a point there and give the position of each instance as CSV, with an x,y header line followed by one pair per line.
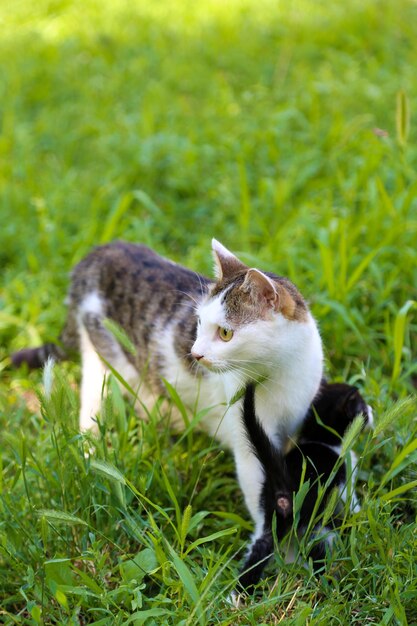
x,y
207,338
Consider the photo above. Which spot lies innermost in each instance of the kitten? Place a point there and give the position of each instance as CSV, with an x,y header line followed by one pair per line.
x,y
206,338
319,447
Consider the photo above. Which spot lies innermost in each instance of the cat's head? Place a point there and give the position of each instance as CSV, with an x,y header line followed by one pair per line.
x,y
248,318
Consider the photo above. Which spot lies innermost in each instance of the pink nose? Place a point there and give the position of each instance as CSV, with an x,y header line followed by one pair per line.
x,y
196,356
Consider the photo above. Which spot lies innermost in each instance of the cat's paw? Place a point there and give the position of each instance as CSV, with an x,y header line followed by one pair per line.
x,y
89,448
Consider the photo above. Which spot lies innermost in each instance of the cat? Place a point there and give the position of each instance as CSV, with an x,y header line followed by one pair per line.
x,y
317,453
206,338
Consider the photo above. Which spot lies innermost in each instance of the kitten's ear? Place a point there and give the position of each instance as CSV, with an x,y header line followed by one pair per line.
x,y
260,287
354,404
226,263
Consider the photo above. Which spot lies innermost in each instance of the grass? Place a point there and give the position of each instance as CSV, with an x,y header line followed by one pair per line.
x,y
287,131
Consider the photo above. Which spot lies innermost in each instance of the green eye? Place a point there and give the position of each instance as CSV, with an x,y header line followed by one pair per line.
x,y
225,334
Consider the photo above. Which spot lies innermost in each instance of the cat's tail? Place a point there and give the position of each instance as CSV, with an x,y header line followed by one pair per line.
x,y
35,358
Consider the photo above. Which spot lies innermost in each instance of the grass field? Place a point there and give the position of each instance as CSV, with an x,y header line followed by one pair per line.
x,y
287,130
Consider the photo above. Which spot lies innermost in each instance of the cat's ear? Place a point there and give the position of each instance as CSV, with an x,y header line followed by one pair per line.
x,y
354,404
226,263
261,288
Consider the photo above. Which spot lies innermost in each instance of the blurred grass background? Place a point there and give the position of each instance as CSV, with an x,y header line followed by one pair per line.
x,y
285,130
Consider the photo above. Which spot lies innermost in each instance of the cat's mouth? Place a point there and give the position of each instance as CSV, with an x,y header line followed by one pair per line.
x,y
213,367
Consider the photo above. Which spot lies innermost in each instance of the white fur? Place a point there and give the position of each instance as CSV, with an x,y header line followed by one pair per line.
x,y
371,422
91,304
346,490
92,377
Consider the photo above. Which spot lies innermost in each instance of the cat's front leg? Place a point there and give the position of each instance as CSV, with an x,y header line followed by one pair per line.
x,y
250,475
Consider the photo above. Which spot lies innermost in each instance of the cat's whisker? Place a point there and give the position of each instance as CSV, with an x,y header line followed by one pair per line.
x,y
180,302
249,362
228,367
253,377
193,366
244,368
187,295
235,376
252,372
203,290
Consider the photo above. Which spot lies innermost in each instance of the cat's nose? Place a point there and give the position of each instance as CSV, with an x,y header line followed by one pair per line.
x,y
196,356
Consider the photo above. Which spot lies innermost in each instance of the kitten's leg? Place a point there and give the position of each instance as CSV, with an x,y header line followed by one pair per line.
x,y
323,538
255,562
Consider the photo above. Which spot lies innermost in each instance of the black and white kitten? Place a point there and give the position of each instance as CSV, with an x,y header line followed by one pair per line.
x,y
318,450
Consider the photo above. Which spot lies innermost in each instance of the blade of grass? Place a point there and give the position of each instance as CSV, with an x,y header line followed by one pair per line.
x,y
187,580
399,337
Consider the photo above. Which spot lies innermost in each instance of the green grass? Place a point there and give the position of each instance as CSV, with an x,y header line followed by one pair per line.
x,y
169,123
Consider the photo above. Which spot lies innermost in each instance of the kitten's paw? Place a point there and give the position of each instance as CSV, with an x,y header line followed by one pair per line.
x,y
236,600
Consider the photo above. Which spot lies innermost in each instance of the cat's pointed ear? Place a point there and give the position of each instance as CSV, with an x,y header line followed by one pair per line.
x,y
261,287
226,263
353,404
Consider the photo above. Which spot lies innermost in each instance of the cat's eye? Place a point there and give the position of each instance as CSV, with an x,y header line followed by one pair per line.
x,y
225,334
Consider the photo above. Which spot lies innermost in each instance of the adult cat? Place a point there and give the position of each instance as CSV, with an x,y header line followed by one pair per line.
x,y
207,338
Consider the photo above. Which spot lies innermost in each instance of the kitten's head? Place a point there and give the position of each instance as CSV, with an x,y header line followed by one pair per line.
x,y
248,316
337,405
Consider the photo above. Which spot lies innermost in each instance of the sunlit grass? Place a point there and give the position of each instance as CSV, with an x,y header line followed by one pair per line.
x,y
285,130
